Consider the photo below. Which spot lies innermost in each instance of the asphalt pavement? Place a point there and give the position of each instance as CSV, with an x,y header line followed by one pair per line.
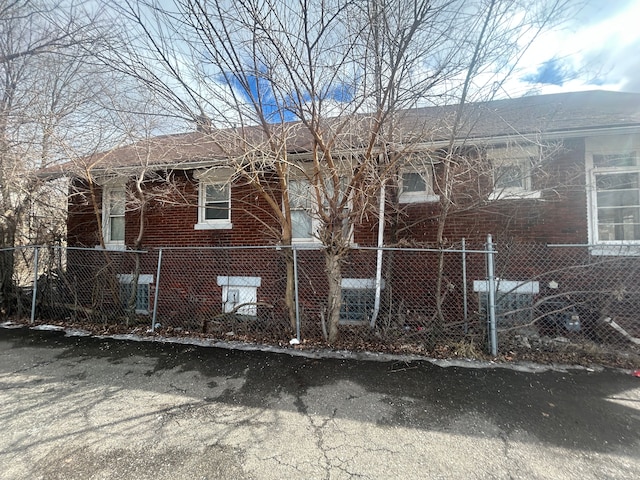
x,y
77,407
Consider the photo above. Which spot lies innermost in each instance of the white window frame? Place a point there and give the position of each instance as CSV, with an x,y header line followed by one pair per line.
x,y
107,193
143,279
420,164
422,196
313,240
217,178
240,291
360,285
514,155
608,145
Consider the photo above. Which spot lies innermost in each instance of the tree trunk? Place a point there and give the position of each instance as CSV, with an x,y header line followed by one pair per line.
x,y
290,292
6,282
7,290
333,262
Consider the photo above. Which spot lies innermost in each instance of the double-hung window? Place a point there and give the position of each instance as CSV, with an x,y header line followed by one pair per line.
x,y
614,191
303,224
417,187
512,172
416,180
214,203
113,220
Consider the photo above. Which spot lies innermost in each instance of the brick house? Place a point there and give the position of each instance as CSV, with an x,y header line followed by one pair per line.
x,y
551,169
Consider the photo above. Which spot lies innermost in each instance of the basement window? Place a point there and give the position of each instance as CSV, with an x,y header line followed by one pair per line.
x,y
358,300
513,300
239,294
142,292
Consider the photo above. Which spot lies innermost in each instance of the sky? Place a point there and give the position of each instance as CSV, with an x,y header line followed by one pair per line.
x,y
599,48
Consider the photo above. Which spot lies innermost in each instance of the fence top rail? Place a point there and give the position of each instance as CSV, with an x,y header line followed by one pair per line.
x,y
64,247
252,247
320,247
425,249
592,245
106,250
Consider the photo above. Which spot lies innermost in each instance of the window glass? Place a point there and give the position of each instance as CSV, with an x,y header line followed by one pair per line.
x,y
142,296
216,202
115,199
413,182
509,176
116,230
615,160
618,206
300,194
300,198
116,202
301,224
357,304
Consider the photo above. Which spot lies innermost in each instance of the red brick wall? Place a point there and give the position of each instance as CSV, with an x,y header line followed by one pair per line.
x,y
82,222
558,217
191,291
171,215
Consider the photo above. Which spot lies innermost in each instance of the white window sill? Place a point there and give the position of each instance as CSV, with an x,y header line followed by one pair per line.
x,y
418,198
306,243
622,250
360,283
143,278
213,226
515,195
120,247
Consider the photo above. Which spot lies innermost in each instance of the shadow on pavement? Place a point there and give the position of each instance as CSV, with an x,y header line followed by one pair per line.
x,y
570,410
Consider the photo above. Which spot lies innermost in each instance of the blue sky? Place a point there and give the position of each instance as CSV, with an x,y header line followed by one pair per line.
x,y
597,49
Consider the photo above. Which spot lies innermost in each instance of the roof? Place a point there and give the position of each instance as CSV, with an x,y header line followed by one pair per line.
x,y
541,114
562,112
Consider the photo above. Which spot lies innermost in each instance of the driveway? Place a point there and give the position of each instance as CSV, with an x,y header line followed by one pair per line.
x,y
98,408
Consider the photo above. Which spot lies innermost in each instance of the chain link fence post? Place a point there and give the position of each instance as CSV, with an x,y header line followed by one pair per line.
x,y
295,282
157,292
491,298
34,292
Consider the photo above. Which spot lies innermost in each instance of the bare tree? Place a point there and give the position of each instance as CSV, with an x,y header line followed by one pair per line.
x,y
330,81
44,96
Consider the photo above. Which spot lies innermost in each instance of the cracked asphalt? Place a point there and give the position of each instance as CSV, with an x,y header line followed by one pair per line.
x,y
98,408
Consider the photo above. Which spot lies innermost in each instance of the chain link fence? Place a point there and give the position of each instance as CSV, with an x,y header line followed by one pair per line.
x,y
518,301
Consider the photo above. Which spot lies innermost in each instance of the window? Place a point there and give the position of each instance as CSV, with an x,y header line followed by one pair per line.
x,y
304,211
113,220
358,299
214,206
300,200
240,294
613,166
512,172
142,292
513,300
618,206
417,187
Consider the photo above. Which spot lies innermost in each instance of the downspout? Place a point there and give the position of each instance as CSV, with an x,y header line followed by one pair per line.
x,y
376,304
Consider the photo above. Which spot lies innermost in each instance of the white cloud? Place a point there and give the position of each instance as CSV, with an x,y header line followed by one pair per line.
x,y
597,50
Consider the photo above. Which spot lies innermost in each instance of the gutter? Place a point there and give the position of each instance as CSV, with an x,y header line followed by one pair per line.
x,y
376,304
60,172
